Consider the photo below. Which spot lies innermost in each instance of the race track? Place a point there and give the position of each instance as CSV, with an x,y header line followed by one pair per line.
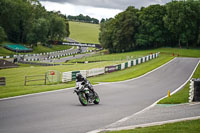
x,y
61,112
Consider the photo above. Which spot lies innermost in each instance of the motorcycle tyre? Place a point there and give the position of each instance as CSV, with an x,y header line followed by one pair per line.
x,y
97,100
81,96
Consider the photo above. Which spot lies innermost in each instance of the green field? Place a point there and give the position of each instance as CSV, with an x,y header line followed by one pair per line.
x,y
192,126
84,32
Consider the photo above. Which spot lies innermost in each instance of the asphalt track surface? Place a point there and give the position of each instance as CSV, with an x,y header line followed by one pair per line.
x,y
68,51
64,59
61,112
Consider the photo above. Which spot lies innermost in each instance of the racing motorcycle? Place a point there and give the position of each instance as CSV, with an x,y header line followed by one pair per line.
x,y
86,95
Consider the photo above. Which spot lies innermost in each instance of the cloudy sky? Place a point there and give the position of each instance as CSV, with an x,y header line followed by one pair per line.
x,y
96,8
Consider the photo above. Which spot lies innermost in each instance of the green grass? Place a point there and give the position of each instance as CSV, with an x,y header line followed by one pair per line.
x,y
5,52
191,126
84,32
132,72
15,76
182,52
43,49
136,54
38,49
182,95
15,86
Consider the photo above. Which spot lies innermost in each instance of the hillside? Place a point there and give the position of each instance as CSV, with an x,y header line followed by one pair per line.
x,y
84,32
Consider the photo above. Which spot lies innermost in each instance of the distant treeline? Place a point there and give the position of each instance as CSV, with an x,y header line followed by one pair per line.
x,y
82,18
27,21
176,23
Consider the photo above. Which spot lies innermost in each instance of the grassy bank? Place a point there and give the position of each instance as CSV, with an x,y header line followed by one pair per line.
x,y
84,32
38,49
191,126
128,55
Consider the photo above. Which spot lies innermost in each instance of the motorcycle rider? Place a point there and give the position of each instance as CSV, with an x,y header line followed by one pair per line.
x,y
80,79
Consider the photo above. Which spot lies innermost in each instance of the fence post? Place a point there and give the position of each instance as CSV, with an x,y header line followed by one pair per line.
x,y
45,80
25,81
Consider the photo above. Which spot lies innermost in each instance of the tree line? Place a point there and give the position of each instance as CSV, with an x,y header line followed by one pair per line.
x,y
176,23
27,21
82,18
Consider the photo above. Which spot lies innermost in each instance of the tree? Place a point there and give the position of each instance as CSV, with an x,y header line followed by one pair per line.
x,y
82,18
2,35
181,21
20,20
57,28
105,35
39,31
152,32
118,34
102,20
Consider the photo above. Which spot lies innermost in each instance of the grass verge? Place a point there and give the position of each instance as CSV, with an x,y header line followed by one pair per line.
x,y
136,54
191,126
182,95
132,72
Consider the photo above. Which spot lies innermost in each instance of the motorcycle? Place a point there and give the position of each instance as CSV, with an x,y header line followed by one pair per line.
x,y
86,95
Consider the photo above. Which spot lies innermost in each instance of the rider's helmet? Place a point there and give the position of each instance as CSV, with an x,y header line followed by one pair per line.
x,y
79,76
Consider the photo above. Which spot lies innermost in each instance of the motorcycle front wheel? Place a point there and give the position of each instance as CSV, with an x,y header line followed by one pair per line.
x,y
96,100
83,99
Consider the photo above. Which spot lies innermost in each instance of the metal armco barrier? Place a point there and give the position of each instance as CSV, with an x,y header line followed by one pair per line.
x,y
2,81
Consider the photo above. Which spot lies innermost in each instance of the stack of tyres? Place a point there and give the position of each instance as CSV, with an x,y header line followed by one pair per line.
x,y
196,90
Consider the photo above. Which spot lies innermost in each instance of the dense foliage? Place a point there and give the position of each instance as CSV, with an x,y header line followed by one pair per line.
x,y
82,18
27,21
175,24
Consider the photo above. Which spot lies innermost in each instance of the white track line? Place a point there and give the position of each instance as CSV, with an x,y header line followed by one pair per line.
x,y
147,108
27,95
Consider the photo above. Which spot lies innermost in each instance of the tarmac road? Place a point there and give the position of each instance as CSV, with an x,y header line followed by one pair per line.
x,y
61,111
68,51
64,59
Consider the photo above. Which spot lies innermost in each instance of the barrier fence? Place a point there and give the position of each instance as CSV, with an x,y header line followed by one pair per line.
x,y
35,78
69,76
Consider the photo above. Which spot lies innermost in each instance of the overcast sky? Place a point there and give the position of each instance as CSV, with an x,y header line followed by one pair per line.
x,y
96,8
